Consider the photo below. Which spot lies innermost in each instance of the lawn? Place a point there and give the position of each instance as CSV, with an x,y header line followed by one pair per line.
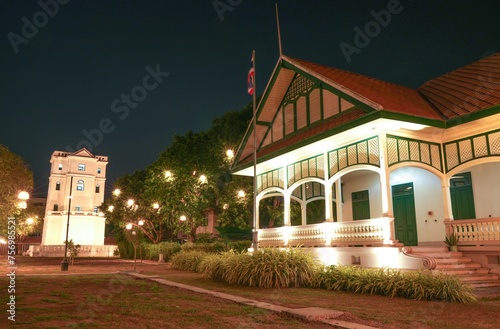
x,y
92,297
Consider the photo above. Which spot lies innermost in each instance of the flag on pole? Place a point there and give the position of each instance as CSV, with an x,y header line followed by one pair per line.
x,y
251,77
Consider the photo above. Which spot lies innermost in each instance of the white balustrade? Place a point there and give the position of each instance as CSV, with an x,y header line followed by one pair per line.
x,y
378,231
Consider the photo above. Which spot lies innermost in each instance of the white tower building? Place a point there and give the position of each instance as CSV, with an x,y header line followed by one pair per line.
x,y
76,190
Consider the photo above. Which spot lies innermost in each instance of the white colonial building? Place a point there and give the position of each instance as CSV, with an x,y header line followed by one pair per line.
x,y
376,167
76,190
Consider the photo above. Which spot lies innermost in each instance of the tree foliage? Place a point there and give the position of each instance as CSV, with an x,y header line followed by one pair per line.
x,y
15,176
190,177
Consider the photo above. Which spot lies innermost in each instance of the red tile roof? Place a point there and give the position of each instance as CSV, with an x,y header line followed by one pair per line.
x,y
466,90
391,97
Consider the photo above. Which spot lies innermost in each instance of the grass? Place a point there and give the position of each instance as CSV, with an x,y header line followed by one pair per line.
x,y
89,302
379,311
116,301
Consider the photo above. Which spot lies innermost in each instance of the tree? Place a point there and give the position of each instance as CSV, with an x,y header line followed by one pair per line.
x,y
189,178
15,176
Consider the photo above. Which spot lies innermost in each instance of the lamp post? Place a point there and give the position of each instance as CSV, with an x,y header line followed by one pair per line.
x,y
23,196
65,262
134,238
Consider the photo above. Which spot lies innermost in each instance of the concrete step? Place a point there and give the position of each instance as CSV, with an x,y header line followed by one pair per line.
x,y
429,249
454,264
441,266
458,260
485,284
478,277
448,254
463,271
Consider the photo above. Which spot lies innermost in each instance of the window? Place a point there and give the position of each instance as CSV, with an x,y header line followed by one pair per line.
x,y
60,166
96,209
80,186
78,208
81,167
98,170
58,186
56,207
97,187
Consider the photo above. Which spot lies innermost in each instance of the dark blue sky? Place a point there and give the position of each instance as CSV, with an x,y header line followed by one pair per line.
x,y
123,77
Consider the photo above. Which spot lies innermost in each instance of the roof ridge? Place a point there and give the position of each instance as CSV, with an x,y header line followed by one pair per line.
x,y
350,72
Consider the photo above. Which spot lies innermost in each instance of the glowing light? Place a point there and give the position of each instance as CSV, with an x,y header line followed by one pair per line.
x,y
225,206
230,154
203,179
168,174
183,218
156,205
111,208
22,205
129,226
141,222
29,221
130,202
117,192
23,195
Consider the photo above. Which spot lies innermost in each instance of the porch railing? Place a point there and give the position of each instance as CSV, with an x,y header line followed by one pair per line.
x,y
368,232
481,231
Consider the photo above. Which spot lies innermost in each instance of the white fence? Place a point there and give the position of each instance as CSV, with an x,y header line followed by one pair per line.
x,y
58,251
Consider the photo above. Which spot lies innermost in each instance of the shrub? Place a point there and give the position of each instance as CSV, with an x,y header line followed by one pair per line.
x,y
153,251
206,238
214,247
394,283
188,260
240,246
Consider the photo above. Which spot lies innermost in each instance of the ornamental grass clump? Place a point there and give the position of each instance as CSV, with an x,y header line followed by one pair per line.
x,y
394,283
188,260
265,268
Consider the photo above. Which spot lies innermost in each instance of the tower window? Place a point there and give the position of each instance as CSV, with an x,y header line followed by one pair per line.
x,y
80,185
56,207
58,186
98,170
97,188
60,166
81,167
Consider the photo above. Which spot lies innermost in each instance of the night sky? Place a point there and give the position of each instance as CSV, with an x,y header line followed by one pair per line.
x,y
122,77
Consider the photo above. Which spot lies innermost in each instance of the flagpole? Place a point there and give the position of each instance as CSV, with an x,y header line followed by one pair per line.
x,y
279,33
255,242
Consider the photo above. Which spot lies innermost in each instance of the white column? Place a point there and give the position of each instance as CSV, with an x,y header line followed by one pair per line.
x,y
448,211
303,205
338,198
287,209
385,184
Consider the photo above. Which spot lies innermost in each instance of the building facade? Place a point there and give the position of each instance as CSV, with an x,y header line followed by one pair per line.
x,y
76,190
374,164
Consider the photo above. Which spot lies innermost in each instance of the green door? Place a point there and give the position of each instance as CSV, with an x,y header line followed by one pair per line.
x,y
462,198
405,221
360,205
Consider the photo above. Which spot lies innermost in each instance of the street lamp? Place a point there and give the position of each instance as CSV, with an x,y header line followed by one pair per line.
x,y
23,196
65,262
134,238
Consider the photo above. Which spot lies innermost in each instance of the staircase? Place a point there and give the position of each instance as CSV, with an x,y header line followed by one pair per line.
x,y
453,263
